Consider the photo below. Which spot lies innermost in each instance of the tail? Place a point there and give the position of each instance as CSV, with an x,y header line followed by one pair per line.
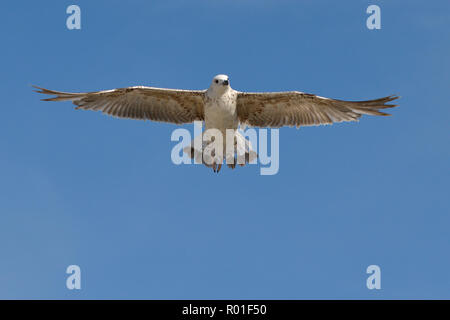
x,y
207,153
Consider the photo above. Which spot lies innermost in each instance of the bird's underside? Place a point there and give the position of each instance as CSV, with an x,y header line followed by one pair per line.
x,y
267,109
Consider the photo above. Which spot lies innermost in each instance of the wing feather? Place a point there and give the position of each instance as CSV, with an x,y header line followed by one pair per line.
x,y
293,108
143,103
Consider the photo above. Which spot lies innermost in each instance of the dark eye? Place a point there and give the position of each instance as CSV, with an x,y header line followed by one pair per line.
x,y
217,81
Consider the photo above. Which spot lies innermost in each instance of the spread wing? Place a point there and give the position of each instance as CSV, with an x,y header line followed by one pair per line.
x,y
293,108
144,103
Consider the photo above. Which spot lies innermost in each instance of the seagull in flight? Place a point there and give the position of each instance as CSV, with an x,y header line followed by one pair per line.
x,y
220,107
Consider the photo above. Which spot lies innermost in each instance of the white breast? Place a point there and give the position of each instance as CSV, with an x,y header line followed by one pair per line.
x,y
220,112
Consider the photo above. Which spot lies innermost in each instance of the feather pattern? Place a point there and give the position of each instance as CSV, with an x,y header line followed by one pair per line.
x,y
143,103
293,108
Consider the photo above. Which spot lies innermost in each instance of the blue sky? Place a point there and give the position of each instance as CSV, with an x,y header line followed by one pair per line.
x,y
102,193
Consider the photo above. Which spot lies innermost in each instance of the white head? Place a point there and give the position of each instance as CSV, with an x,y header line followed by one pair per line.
x,y
220,84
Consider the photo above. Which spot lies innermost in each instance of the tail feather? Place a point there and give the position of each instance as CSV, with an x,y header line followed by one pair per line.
x,y
201,151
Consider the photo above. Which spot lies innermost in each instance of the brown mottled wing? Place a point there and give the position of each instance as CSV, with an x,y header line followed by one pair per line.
x,y
144,103
293,108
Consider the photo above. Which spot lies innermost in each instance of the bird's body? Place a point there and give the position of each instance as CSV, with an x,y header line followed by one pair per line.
x,y
222,108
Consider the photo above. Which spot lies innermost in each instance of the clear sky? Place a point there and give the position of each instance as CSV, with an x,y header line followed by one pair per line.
x,y
81,188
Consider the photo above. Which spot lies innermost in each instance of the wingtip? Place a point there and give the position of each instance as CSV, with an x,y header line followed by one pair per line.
x,y
394,97
39,89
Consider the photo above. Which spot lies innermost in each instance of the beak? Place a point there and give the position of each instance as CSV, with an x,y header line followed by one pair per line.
x,y
225,82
